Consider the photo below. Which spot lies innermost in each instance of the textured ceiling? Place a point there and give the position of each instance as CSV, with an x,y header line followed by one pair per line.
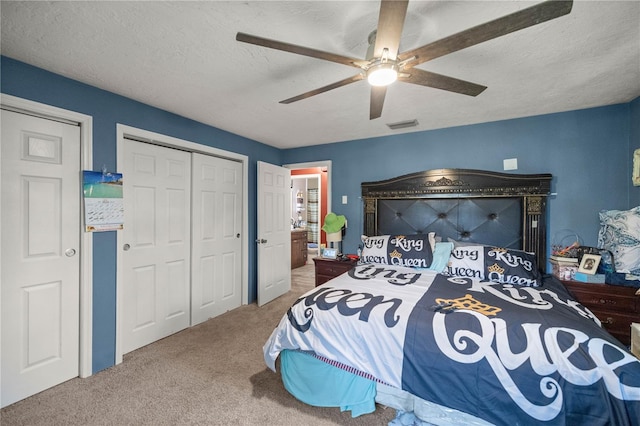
x,y
183,57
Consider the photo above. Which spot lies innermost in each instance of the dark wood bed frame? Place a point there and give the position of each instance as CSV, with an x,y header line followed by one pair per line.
x,y
506,210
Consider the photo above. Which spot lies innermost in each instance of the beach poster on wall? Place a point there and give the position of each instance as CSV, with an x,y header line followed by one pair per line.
x,y
103,202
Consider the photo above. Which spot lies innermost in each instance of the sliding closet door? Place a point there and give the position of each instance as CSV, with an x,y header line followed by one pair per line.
x,y
157,237
217,243
181,247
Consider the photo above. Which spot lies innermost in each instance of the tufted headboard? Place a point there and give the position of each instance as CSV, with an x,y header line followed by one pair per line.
x,y
501,209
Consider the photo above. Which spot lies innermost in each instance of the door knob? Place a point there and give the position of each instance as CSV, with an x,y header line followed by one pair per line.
x,y
70,252
238,235
261,241
126,247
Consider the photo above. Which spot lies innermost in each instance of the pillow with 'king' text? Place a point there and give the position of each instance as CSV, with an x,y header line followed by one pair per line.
x,y
400,250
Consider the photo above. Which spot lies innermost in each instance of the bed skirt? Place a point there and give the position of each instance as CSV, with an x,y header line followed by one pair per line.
x,y
316,382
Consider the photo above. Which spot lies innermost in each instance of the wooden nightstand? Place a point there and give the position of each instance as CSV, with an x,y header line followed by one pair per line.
x,y
616,306
331,268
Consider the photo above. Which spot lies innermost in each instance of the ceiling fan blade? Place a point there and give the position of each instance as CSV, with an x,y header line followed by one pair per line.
x,y
390,24
377,101
525,18
332,86
300,50
439,81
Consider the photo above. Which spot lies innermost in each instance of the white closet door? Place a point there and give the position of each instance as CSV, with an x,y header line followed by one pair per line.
x,y
217,243
157,238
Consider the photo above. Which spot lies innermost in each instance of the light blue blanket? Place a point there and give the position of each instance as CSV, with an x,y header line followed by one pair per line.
x,y
317,383
441,256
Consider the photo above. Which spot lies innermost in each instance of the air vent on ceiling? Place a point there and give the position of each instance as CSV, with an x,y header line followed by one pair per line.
x,y
402,124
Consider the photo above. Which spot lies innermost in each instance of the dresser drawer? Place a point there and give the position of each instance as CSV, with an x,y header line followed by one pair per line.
x,y
327,269
618,324
333,269
615,306
605,297
609,302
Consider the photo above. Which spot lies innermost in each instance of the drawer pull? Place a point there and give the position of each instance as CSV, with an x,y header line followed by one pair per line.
x,y
608,321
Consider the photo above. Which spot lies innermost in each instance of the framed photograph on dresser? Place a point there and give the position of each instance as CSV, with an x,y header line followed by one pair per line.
x,y
330,253
589,263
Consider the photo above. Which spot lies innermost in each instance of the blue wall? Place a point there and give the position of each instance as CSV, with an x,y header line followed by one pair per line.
x,y
588,152
108,109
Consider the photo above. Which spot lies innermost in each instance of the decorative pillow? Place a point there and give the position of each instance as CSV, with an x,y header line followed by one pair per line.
x,y
509,266
620,234
466,261
401,250
499,265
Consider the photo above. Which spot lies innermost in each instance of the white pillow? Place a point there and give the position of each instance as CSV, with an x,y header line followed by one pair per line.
x,y
400,250
620,234
496,264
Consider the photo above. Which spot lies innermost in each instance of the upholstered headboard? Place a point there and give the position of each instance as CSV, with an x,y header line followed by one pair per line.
x,y
501,209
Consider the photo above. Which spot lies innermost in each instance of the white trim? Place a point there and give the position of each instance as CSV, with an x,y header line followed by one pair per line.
x,y
171,142
86,238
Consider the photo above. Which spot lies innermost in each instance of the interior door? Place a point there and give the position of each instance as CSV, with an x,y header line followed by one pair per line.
x,y
157,237
216,284
40,264
274,232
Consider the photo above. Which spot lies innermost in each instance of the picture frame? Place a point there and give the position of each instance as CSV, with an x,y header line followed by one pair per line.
x,y
589,263
330,253
635,177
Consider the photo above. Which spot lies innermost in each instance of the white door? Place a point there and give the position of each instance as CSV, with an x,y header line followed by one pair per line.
x,y
274,232
156,251
216,283
40,264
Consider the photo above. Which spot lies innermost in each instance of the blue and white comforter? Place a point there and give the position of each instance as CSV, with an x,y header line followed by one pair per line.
x,y
507,354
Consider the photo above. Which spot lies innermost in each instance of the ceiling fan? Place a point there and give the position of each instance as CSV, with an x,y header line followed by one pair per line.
x,y
384,64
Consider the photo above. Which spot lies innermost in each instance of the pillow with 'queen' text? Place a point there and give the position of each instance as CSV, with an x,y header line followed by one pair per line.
x,y
466,261
495,264
401,250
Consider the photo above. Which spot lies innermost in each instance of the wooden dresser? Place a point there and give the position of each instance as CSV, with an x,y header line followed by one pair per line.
x,y
615,306
298,248
330,268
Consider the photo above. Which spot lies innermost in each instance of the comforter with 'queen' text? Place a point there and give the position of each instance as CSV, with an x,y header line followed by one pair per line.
x,y
507,354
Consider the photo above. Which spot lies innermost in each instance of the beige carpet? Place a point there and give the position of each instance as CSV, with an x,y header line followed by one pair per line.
x,y
210,374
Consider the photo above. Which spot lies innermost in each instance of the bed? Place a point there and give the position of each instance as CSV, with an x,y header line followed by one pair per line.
x,y
449,319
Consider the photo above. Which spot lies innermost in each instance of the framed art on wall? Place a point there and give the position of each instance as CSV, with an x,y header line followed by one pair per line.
x,y
636,168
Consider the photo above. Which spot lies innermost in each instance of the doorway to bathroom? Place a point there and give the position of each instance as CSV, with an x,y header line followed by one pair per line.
x,y
310,201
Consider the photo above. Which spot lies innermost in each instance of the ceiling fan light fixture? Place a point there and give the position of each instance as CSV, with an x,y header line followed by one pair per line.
x,y
382,74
